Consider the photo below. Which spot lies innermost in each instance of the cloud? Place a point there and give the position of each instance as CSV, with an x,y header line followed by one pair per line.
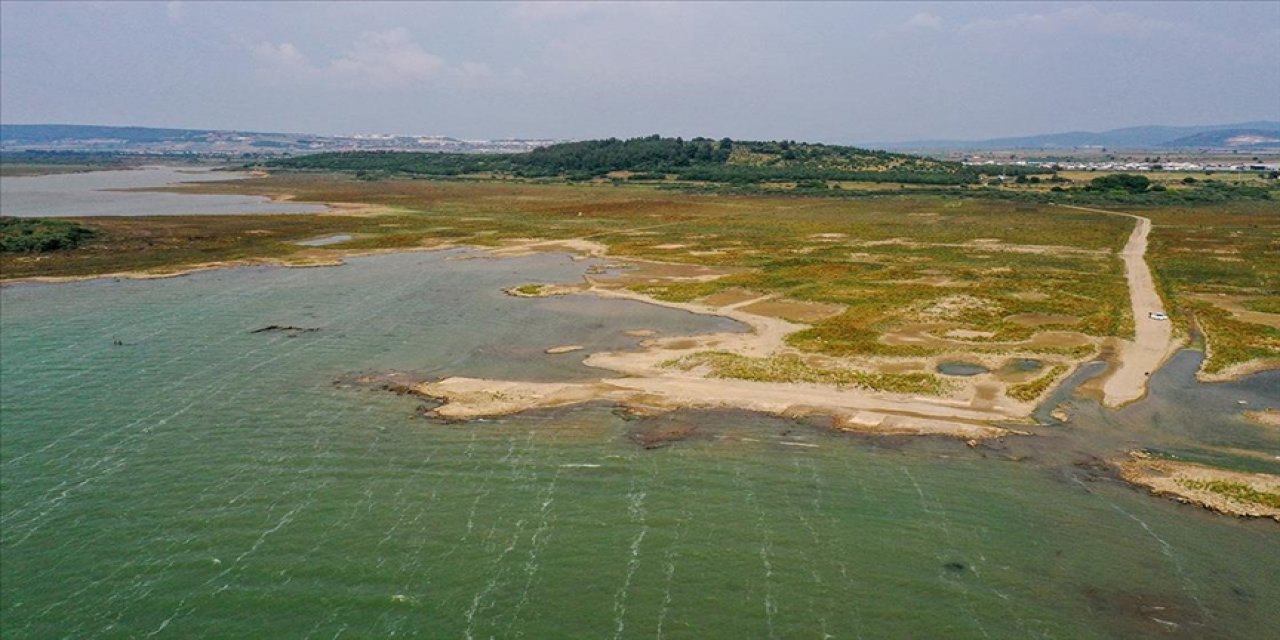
x,y
174,10
281,56
922,21
377,59
388,59
1082,19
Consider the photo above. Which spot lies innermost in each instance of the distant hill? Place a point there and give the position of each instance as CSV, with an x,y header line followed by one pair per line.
x,y
1230,139
36,134
149,140
655,157
1144,137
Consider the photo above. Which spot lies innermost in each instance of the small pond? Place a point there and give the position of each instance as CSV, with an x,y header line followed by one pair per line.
x,y
958,368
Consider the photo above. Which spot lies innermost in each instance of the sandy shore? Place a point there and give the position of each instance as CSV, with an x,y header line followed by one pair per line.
x,y
1153,342
642,380
639,378
468,398
1230,492
1265,417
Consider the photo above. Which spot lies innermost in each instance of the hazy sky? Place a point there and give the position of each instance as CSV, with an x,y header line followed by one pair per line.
x,y
839,72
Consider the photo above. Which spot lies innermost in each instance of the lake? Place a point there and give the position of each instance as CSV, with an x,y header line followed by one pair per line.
x,y
167,472
97,193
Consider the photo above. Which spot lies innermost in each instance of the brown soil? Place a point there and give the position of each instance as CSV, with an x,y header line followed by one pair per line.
x,y
731,296
1232,305
794,310
1266,417
1038,319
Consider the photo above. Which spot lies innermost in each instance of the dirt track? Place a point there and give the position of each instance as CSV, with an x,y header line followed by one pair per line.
x,y
1153,339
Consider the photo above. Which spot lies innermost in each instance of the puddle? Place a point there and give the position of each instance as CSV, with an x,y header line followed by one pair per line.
x,y
961,369
326,240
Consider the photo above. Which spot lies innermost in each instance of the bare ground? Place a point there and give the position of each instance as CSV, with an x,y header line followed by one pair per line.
x,y
1153,340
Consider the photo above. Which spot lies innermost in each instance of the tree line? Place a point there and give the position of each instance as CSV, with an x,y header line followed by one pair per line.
x,y
655,157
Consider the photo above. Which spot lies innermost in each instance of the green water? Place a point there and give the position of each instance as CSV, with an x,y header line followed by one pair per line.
x,y
200,480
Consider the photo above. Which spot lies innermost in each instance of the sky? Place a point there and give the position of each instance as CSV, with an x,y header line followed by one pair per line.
x,y
831,72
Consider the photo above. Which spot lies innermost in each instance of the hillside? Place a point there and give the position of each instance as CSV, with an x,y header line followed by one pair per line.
x,y
40,134
655,157
1230,139
1142,137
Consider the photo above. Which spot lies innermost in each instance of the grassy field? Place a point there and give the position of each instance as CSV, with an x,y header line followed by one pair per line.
x,y
914,275
1211,262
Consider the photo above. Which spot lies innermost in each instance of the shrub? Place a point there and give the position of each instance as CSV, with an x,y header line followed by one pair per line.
x,y
37,235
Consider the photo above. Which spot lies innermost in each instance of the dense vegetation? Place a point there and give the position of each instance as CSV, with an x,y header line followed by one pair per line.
x,y
1121,181
61,158
1109,193
36,235
654,157
747,167
1238,491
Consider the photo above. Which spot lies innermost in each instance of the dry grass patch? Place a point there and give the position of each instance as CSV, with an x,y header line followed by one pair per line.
x,y
793,368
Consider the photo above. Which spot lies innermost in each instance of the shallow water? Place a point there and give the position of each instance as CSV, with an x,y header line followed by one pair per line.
x,y
962,369
202,480
326,240
94,194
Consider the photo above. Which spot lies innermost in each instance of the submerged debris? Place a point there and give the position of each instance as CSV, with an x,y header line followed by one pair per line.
x,y
651,435
289,329
398,382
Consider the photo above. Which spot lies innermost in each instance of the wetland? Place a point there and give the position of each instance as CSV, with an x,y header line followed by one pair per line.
x,y
695,416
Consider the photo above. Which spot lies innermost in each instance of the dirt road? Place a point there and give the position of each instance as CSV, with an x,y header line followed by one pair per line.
x,y
1153,339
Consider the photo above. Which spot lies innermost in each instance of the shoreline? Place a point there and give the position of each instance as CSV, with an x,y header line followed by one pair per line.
x,y
579,249
1235,493
643,380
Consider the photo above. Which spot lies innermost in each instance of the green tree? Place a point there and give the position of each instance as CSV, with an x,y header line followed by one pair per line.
x,y
1122,182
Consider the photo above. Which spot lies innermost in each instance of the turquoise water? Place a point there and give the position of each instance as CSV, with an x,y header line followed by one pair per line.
x,y
199,480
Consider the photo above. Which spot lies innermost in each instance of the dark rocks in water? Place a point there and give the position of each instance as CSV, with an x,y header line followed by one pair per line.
x,y
955,566
397,382
1148,615
625,414
289,329
1093,468
651,435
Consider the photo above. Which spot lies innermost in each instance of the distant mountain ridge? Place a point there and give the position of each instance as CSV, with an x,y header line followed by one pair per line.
x,y
1141,137
12,134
